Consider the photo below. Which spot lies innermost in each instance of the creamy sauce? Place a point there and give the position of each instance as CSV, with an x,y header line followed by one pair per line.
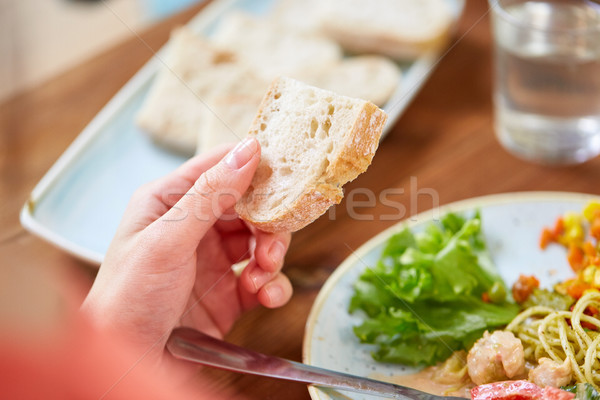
x,y
426,382
448,378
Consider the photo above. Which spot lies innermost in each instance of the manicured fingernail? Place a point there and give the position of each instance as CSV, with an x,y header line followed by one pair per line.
x,y
242,153
275,293
259,277
276,252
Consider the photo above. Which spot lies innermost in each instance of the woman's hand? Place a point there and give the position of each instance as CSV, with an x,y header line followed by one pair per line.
x,y
169,263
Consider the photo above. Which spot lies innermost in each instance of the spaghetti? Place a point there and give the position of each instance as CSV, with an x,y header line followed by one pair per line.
x,y
560,335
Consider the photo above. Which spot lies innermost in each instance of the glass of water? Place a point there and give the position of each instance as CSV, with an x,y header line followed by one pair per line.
x,y
547,78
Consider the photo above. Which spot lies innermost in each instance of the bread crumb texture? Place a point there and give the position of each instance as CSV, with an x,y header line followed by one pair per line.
x,y
313,141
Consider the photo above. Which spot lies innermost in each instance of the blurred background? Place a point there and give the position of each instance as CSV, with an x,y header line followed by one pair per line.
x,y
39,39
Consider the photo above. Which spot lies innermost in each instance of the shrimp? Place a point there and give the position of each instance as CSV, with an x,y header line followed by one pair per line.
x,y
495,357
551,373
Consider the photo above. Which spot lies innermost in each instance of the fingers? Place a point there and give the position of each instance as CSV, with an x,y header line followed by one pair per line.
x,y
195,166
212,194
276,292
153,199
270,249
269,252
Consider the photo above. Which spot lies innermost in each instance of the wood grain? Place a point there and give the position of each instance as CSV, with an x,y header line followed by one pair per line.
x,y
443,149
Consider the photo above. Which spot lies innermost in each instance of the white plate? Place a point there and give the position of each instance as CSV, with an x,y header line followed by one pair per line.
x,y
79,202
512,224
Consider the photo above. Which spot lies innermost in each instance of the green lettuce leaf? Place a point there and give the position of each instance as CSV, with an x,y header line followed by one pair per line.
x,y
422,300
583,391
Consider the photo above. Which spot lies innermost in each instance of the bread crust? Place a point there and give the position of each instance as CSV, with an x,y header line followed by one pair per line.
x,y
310,205
352,159
391,46
357,153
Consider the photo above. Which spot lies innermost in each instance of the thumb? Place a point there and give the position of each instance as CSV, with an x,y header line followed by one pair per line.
x,y
215,191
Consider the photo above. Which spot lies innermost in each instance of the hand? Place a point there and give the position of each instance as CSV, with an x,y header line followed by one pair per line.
x,y
169,263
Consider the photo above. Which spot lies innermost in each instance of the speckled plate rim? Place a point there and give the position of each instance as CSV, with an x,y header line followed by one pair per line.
x,y
424,217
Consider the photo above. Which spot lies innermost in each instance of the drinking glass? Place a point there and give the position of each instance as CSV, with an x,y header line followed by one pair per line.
x,y
547,78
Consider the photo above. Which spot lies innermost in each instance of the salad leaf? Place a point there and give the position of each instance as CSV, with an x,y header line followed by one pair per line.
x,y
583,391
423,299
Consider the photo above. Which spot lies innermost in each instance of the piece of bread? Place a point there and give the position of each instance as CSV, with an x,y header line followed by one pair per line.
x,y
297,15
227,121
194,71
401,29
372,78
273,51
313,141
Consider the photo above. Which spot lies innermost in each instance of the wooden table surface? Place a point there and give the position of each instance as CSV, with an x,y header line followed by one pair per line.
x,y
444,144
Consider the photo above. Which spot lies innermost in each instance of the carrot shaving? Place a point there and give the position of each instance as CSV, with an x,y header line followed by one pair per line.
x,y
575,257
577,289
546,238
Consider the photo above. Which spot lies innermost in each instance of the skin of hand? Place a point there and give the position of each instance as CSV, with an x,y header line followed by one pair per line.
x,y
169,263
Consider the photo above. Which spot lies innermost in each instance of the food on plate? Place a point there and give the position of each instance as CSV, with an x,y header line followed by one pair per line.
x,y
551,373
524,287
553,343
193,72
227,121
424,299
518,390
400,29
560,329
313,141
562,336
583,391
372,78
570,231
495,357
272,50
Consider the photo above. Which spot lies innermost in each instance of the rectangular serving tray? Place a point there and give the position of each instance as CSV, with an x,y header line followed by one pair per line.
x,y
78,204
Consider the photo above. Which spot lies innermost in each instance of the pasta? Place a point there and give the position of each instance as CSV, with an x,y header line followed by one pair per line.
x,y
560,335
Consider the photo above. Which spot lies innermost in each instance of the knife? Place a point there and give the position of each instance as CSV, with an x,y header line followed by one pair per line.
x,y
191,345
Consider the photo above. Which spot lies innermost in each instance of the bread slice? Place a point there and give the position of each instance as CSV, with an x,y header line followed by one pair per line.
x,y
297,15
194,71
227,121
401,29
373,78
313,141
271,50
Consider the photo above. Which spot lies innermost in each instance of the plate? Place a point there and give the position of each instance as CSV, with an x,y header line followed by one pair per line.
x,y
78,204
512,224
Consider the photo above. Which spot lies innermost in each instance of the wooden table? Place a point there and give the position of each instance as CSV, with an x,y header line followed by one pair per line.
x,y
443,144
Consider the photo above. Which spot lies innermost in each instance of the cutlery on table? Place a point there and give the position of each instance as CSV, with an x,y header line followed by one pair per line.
x,y
191,345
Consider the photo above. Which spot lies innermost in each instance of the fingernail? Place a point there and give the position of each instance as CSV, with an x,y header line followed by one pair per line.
x,y
242,153
259,277
277,252
275,293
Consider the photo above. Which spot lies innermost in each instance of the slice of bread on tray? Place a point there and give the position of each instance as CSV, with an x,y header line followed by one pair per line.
x,y
401,29
193,72
373,78
227,121
272,50
297,15
313,141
